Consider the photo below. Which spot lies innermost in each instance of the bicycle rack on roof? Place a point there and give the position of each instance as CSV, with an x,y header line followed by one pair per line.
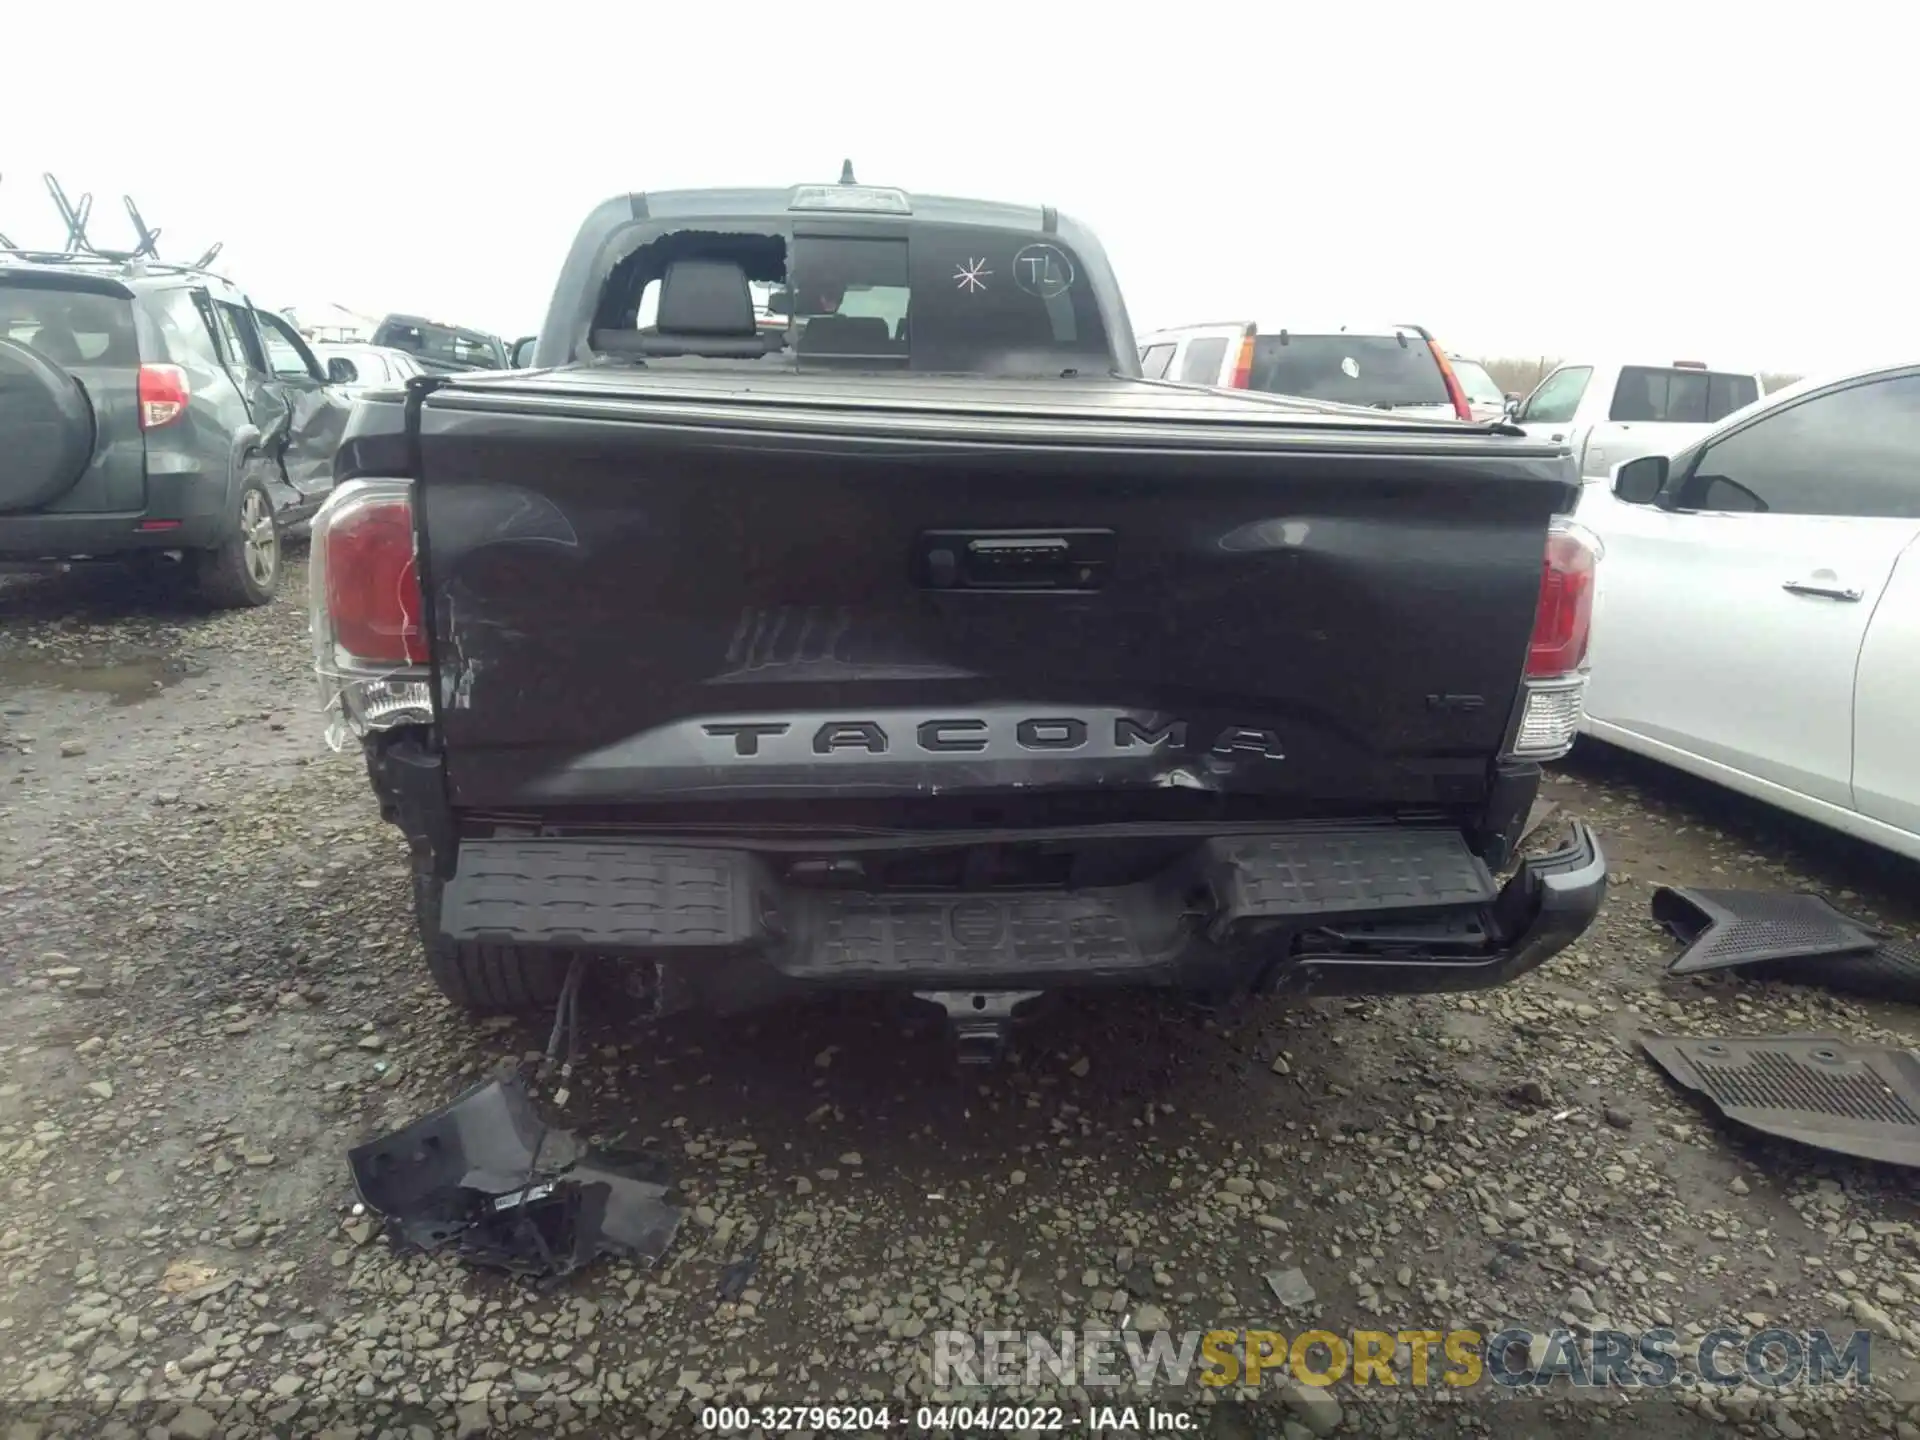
x,y
75,215
149,239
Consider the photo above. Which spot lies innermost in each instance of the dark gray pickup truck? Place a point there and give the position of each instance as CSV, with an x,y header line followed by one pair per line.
x,y
923,644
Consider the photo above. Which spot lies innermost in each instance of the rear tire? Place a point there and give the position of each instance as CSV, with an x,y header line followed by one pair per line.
x,y
484,979
245,569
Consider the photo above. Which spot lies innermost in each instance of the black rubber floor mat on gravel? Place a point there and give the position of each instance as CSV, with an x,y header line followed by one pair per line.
x,y
1724,928
1797,938
1818,1090
1890,972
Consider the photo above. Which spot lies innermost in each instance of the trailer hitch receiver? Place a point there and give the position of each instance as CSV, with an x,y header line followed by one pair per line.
x,y
980,1020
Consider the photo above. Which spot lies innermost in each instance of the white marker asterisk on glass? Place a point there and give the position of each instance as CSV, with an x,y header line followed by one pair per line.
x,y
972,276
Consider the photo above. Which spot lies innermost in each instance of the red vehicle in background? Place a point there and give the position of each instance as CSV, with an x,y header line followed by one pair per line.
x,y
1400,368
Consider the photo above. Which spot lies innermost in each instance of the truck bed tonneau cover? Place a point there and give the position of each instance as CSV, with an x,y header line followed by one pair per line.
x,y
975,407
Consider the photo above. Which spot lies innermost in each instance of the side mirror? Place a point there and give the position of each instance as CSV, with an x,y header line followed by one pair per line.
x,y
341,371
1640,481
520,356
780,302
1512,408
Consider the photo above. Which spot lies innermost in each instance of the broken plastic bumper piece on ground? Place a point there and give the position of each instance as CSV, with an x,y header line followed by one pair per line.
x,y
488,1178
1818,1090
1788,936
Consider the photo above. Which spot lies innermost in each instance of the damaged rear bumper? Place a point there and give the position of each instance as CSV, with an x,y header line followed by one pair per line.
x,y
1544,907
1315,911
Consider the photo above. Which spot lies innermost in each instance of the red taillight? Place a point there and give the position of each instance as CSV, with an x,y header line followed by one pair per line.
x,y
1564,617
373,588
1243,366
163,395
1455,392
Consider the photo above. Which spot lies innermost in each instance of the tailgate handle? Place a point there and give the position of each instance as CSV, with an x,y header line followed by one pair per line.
x,y
1071,560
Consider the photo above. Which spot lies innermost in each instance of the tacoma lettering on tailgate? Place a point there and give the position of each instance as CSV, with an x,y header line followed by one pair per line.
x,y
975,735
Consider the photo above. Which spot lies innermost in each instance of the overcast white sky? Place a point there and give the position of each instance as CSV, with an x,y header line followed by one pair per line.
x,y
1684,180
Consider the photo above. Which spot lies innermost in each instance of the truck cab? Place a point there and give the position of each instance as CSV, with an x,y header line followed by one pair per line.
x,y
441,347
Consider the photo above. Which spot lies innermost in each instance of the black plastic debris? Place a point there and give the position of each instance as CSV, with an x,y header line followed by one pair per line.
x,y
1817,1090
1788,936
735,1279
488,1178
1725,928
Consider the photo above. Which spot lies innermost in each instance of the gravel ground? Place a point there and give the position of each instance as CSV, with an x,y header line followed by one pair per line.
x,y
212,991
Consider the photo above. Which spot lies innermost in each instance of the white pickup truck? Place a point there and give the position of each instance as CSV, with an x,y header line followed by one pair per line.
x,y
1610,413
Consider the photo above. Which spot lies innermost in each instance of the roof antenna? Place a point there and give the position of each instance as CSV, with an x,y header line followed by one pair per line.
x,y
846,173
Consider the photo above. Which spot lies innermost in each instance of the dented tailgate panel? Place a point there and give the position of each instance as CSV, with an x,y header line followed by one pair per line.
x,y
632,602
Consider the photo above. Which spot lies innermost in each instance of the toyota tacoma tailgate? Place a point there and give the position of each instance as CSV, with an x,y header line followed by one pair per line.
x,y
775,599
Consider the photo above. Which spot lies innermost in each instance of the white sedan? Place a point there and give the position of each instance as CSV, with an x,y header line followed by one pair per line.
x,y
1757,615
353,364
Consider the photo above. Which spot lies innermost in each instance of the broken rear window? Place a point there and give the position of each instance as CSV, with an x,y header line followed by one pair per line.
x,y
948,298
1379,370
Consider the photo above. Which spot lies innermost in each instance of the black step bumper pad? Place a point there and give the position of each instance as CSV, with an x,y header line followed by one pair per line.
x,y
584,895
1243,904
1365,873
